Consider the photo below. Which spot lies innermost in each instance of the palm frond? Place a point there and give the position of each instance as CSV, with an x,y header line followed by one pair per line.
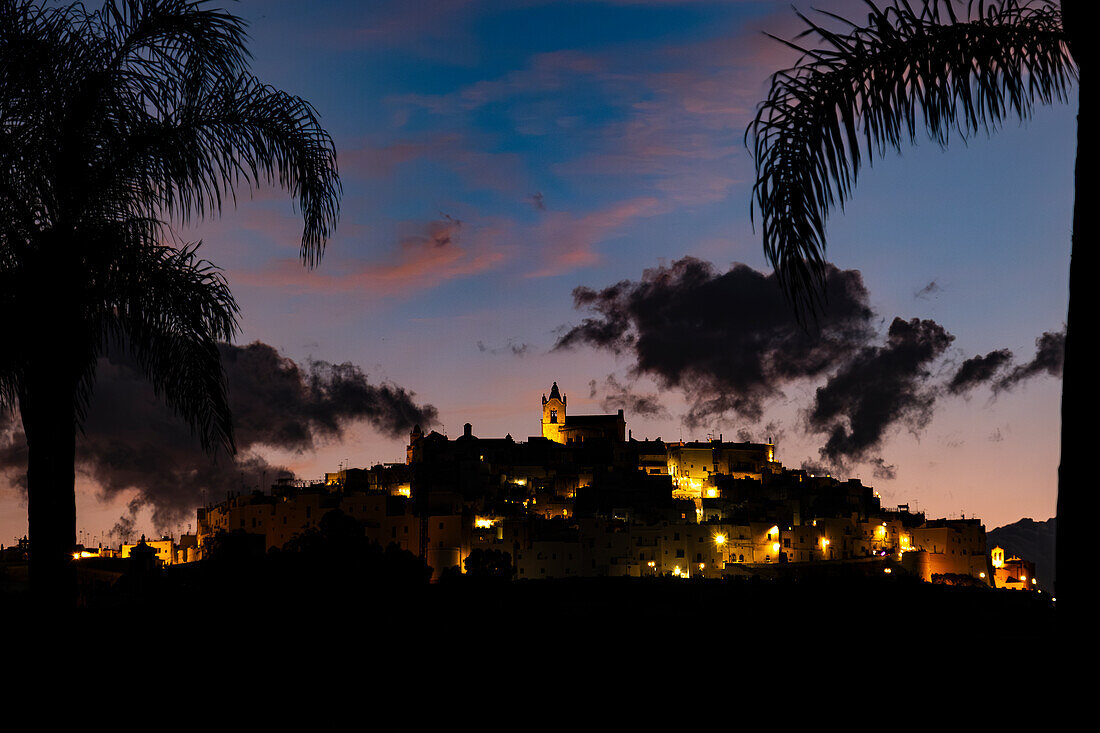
x,y
145,108
170,309
870,87
110,122
151,40
239,132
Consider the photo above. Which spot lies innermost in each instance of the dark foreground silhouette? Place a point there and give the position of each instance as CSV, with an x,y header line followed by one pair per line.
x,y
279,620
387,587
119,122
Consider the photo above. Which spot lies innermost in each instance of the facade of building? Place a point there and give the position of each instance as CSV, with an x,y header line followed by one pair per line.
x,y
560,428
1013,573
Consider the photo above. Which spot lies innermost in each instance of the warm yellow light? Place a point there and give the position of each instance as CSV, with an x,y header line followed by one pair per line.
x,y
711,493
483,522
1023,577
981,575
775,547
1034,581
719,539
887,570
701,566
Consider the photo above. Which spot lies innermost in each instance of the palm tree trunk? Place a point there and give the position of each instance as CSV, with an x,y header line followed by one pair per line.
x,y
47,406
1078,402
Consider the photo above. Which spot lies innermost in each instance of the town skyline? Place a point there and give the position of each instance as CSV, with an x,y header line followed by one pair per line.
x,y
497,156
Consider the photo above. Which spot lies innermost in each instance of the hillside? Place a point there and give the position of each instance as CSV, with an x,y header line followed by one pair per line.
x,y
1030,540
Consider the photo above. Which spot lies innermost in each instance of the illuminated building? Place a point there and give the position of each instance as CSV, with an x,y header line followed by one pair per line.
x,y
560,428
1013,573
585,499
441,536
698,463
165,549
948,547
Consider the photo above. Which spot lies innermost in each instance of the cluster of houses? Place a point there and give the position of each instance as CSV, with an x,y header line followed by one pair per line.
x,y
586,499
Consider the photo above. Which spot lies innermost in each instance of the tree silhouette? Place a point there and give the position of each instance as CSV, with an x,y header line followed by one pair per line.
x,y
489,563
114,123
867,88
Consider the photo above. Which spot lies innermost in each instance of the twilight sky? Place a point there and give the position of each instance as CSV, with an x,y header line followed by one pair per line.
x,y
498,155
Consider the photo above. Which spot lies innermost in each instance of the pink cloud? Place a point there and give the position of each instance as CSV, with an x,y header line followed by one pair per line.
x,y
545,73
684,122
434,29
680,126
422,262
480,169
568,242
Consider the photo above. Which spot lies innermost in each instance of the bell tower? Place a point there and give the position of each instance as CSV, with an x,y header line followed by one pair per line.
x,y
553,415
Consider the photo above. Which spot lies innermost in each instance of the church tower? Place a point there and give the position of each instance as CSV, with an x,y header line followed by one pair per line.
x,y
553,415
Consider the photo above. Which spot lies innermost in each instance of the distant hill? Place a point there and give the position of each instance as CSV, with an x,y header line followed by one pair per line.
x,y
1029,540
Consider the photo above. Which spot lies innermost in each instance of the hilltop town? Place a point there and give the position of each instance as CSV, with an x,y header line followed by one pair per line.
x,y
587,499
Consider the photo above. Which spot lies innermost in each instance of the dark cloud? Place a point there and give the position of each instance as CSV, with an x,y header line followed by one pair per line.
x,y
882,470
13,450
978,370
126,526
132,441
1049,354
877,388
620,396
930,289
538,201
441,233
510,347
279,403
771,433
1050,351
814,468
774,433
728,340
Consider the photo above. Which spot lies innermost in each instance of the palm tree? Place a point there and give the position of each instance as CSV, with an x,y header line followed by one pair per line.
x,y
114,123
868,88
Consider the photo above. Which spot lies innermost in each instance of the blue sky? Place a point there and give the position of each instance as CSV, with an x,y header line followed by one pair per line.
x,y
496,155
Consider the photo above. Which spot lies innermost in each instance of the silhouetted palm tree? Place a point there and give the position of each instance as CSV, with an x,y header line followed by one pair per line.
x,y
867,88
113,123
